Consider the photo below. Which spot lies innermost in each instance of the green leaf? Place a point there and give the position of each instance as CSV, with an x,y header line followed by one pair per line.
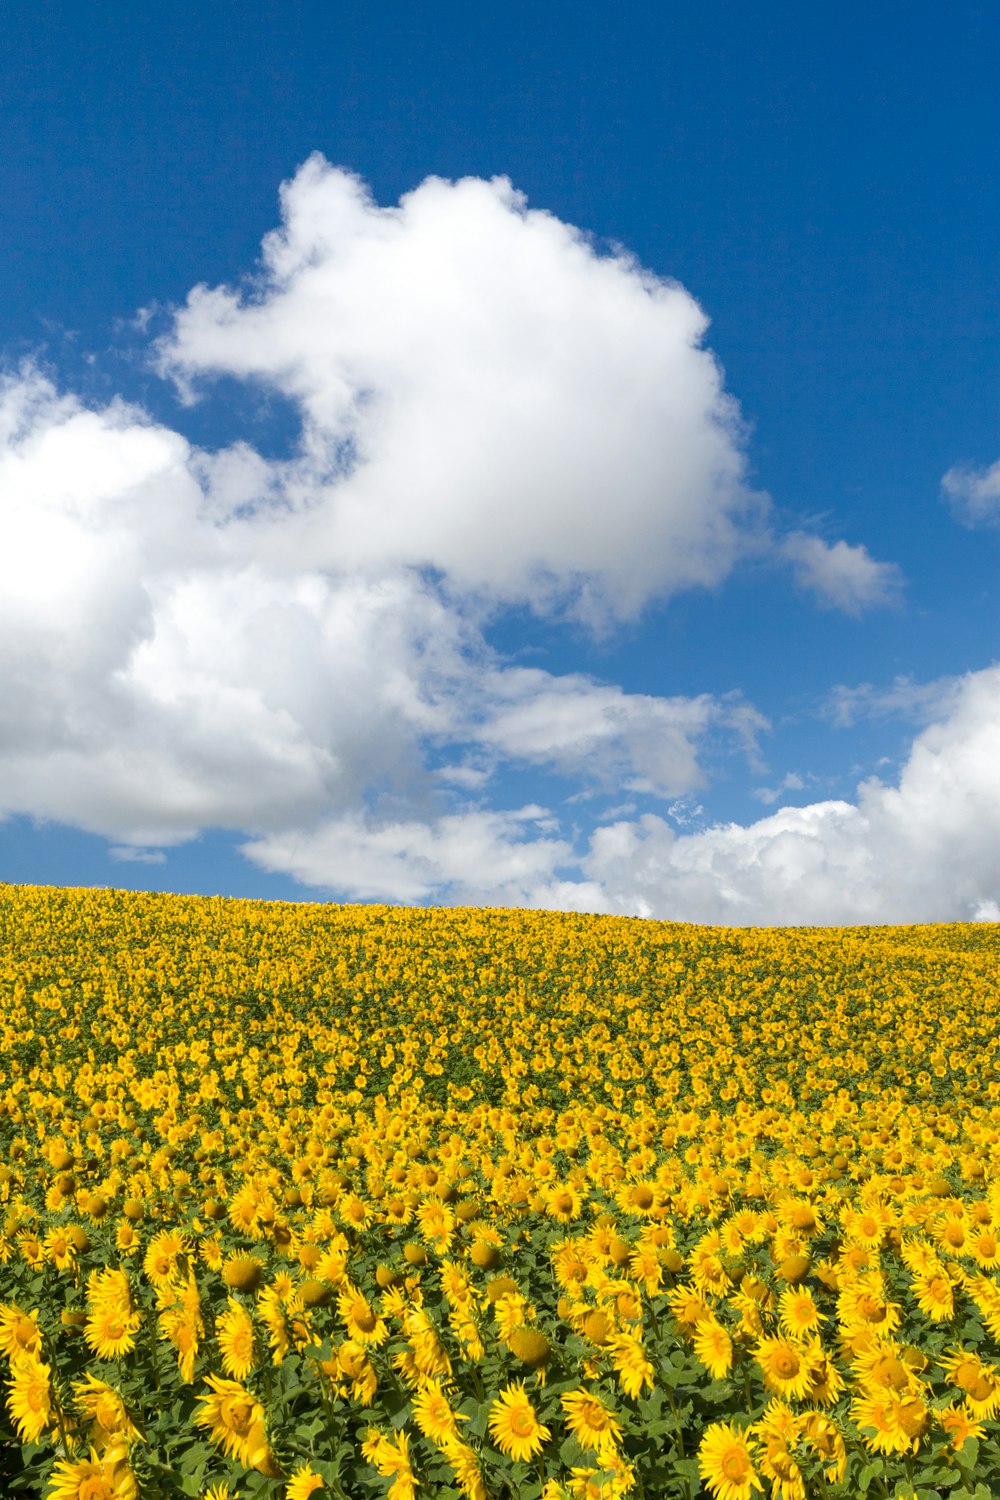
x,y
866,1475
687,1468
968,1454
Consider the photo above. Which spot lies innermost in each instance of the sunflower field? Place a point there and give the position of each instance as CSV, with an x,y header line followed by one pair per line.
x,y
363,1201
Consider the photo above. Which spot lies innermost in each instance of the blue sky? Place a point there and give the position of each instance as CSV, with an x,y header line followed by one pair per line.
x,y
618,536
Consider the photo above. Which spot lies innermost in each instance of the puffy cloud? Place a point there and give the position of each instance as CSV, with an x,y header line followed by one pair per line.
x,y
839,575
630,741
477,857
492,414
974,494
160,674
484,394
926,849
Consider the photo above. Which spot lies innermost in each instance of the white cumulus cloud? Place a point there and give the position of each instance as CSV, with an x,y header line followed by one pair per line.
x,y
925,849
491,413
974,494
160,674
483,393
839,575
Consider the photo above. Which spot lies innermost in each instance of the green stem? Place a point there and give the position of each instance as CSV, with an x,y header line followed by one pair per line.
x,y
677,1420
151,1335
50,1349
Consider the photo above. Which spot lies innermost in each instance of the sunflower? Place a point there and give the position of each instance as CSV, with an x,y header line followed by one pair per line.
x,y
689,1308
110,1332
464,1464
509,1313
362,1322
60,1249
434,1415
800,1217
244,1213
732,1237
713,1348
354,1212
725,1461
630,1364
99,1477
32,1250
563,1202
455,1284
985,1247
797,1312
106,1411
951,1234
787,1366
935,1295
778,1433
127,1238
867,1228
864,1303
589,1420
110,1289
569,1264
183,1330
437,1225
210,1251
778,1463
163,1253
19,1332
303,1483
957,1423
514,1424
242,1273
29,1397
821,1434
638,1198
332,1265
430,1355
392,1459
235,1336
890,1423
532,1348
647,1268
979,1381
231,1412
355,1364
882,1369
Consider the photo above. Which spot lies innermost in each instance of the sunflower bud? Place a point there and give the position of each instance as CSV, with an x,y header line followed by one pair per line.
x,y
501,1286
597,1327
315,1294
530,1347
242,1273
793,1268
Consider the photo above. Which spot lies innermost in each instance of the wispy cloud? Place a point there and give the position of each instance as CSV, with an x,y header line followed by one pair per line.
x,y
127,854
974,494
918,702
790,782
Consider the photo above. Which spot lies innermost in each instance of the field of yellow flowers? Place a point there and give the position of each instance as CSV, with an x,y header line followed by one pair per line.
x,y
354,1201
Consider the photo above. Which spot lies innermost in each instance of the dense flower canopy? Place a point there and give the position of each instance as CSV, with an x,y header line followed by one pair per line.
x,y
336,1199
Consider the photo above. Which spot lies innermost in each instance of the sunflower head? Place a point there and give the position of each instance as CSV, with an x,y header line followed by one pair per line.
x,y
242,1273
530,1347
